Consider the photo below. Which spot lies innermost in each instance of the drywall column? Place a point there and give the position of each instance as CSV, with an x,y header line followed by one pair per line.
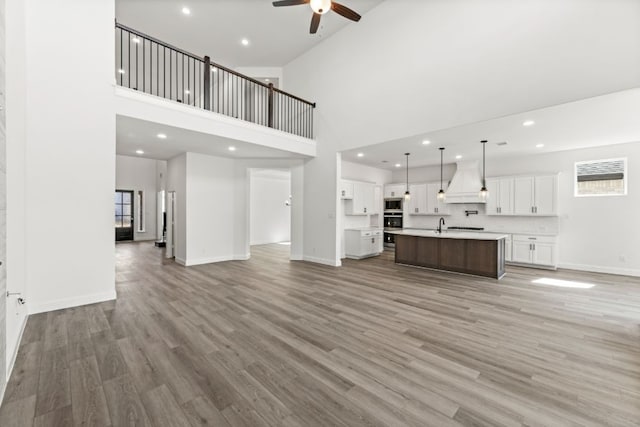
x,y
70,153
3,206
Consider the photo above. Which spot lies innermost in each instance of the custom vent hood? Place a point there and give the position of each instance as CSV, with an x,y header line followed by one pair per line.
x,y
465,184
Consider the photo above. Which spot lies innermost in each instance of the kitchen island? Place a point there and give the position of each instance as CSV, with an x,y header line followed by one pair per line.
x,y
476,253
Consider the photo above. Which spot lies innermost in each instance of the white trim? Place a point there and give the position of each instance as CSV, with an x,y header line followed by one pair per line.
x,y
9,368
211,260
180,261
323,261
71,302
267,242
601,269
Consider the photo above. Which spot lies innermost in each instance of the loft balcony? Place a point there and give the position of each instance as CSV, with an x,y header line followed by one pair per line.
x,y
148,65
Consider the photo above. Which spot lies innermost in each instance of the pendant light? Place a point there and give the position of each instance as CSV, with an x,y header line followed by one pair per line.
x,y
407,195
484,193
441,195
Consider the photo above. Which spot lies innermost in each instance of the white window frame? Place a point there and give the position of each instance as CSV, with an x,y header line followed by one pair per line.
x,y
625,177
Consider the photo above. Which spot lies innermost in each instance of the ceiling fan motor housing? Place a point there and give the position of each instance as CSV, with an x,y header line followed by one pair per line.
x,y
320,6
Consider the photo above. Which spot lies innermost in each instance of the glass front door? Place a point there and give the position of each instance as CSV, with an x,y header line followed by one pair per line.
x,y
124,215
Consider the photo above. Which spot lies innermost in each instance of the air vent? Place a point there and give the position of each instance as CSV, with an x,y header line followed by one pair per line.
x,y
501,143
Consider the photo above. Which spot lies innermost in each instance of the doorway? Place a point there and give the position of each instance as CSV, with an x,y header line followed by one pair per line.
x,y
270,210
124,215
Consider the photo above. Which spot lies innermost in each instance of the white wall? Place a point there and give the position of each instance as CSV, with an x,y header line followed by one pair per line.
x,y
210,209
451,63
270,217
16,166
3,205
136,173
177,182
67,150
594,232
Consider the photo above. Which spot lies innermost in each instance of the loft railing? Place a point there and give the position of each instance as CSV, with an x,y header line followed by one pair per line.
x,y
151,66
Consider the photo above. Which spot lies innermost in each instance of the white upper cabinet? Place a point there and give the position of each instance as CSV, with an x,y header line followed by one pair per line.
x,y
346,190
394,191
418,201
500,200
362,201
435,206
535,195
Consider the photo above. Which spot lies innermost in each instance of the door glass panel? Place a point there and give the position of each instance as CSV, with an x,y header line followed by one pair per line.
x,y
118,197
126,221
118,221
118,210
126,210
126,198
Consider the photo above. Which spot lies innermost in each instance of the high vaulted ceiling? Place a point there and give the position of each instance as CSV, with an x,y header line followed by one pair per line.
x,y
216,27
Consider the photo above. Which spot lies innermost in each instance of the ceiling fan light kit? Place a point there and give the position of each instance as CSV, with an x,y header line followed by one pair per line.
x,y
320,7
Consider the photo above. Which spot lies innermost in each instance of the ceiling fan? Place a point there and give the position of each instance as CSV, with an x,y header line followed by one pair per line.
x,y
320,7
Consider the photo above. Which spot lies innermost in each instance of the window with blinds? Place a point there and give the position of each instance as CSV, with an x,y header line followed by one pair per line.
x,y
601,178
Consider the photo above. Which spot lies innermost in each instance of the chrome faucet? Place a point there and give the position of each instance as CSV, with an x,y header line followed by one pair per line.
x,y
440,224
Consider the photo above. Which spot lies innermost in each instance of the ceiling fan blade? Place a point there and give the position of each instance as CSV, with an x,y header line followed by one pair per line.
x,y
345,11
289,2
315,23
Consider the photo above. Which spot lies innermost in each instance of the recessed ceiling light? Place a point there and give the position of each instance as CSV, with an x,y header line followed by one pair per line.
x,y
539,145
426,142
528,123
398,165
267,80
121,71
360,154
186,11
135,40
232,148
162,136
245,42
458,157
139,152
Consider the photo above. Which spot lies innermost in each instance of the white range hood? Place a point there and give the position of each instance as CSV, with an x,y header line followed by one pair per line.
x,y
466,184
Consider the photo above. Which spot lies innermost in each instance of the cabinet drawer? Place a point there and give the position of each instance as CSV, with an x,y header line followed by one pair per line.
x,y
533,238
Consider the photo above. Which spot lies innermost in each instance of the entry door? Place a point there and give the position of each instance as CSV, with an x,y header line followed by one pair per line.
x,y
124,215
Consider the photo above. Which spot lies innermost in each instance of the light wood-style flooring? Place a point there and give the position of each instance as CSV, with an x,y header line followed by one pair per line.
x,y
268,342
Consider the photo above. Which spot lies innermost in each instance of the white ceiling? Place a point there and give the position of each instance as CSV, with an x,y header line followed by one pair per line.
x,y
134,134
603,120
216,27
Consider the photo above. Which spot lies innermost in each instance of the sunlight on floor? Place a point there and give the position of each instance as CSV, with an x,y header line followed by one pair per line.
x,y
562,283
285,243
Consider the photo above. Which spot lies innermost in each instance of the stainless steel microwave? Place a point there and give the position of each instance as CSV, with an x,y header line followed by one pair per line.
x,y
393,205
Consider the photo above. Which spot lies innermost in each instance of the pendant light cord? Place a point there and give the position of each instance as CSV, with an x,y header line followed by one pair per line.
x,y
441,154
484,181
407,154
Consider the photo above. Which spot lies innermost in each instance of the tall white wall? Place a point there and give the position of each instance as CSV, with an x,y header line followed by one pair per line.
x,y
270,216
16,177
3,204
594,233
67,148
451,62
139,174
177,182
210,209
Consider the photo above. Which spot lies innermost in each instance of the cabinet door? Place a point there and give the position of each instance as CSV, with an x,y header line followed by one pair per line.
x,y
507,249
521,252
346,190
505,196
544,254
418,198
493,202
545,195
357,204
367,198
432,199
523,195
393,191
377,200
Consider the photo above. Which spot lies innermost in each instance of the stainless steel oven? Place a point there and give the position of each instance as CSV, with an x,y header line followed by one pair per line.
x,y
392,221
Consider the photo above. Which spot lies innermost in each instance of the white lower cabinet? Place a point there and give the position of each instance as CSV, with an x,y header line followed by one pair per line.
x,y
508,248
534,250
363,243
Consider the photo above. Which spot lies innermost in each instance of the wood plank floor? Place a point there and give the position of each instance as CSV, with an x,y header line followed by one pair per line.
x,y
268,342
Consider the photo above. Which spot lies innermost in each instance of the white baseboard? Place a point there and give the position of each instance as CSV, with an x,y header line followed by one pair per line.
x,y
13,357
71,302
323,261
296,257
180,261
601,269
209,260
266,242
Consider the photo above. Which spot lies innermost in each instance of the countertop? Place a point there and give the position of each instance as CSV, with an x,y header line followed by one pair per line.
x,y
524,233
365,229
468,235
